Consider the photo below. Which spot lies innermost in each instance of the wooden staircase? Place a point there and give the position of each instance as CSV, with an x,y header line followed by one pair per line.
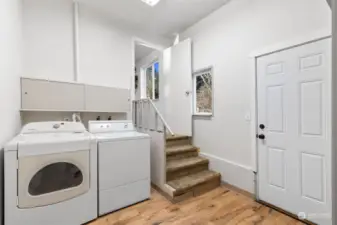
x,y
177,170
187,174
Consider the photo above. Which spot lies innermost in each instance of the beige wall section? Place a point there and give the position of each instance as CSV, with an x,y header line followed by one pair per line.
x,y
225,40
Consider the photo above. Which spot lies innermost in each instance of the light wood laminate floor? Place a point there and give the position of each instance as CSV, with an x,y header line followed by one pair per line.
x,y
221,206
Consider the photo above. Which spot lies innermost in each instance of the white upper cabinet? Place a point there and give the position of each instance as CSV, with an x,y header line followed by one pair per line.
x,y
45,95
50,95
107,99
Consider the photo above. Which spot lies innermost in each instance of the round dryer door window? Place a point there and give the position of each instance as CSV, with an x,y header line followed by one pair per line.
x,y
50,179
55,177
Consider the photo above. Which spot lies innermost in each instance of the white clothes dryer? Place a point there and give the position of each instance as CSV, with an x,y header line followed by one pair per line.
x,y
50,172
123,165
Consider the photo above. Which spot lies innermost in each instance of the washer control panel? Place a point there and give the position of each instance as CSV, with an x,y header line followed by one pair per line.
x,y
110,126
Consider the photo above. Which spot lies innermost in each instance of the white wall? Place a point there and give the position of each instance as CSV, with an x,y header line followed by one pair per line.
x,y
225,40
105,51
10,70
105,54
48,39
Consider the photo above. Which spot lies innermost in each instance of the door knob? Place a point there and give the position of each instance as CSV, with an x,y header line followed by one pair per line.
x,y
261,136
187,93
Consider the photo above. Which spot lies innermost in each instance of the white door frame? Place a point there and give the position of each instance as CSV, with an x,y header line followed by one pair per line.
x,y
302,40
333,5
134,42
290,44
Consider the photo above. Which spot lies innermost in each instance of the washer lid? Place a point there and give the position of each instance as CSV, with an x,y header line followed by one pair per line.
x,y
121,136
52,143
53,127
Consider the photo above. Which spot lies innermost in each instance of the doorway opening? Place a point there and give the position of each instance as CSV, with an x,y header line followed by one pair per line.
x,y
147,67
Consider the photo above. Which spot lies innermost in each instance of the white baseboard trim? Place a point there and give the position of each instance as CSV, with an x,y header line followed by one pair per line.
x,y
232,173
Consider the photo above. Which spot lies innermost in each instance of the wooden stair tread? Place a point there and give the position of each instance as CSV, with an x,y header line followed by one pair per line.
x,y
186,183
187,174
180,149
174,165
176,137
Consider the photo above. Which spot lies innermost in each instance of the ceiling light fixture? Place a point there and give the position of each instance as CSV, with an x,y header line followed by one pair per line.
x,y
151,2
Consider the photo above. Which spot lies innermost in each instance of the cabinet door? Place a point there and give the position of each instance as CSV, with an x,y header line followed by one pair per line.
x,y
107,99
50,95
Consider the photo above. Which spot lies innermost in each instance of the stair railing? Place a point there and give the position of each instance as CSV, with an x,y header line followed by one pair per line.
x,y
146,115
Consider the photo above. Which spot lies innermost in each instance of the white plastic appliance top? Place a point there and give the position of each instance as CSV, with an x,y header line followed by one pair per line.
x,y
50,137
108,130
53,127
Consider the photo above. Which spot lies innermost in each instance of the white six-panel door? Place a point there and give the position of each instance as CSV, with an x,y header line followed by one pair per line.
x,y
294,171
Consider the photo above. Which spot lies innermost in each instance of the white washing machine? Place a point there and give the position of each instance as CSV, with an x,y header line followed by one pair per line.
x,y
51,175
123,165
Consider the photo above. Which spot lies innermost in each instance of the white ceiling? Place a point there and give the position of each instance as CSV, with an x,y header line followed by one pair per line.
x,y
141,51
165,19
